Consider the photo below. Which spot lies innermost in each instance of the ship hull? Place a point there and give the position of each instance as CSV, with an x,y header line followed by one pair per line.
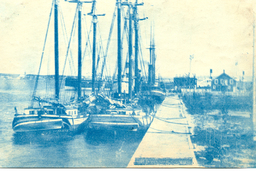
x,y
36,124
157,95
119,122
23,123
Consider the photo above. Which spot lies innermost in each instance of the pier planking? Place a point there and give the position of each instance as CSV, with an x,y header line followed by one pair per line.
x,y
167,142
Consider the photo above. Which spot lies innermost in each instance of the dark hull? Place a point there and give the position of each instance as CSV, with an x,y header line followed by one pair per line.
x,y
23,123
119,122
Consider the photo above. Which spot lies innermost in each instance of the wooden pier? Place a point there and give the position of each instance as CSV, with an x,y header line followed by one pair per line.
x,y
167,142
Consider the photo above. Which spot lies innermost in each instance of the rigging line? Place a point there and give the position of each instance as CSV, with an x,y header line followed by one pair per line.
x,y
142,63
73,27
109,37
101,42
88,39
72,30
71,61
100,48
140,46
42,55
125,33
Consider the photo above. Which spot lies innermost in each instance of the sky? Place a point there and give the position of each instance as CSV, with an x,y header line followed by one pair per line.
x,y
219,34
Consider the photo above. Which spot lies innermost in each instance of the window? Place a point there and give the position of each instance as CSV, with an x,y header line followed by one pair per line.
x,y
40,112
226,82
216,81
221,81
50,112
231,81
74,112
214,87
31,112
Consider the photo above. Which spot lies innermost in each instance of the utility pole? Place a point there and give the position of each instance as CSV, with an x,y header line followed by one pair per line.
x,y
190,58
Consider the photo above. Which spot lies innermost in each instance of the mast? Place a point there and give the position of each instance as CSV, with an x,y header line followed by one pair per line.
x,y
94,52
79,76
94,21
151,63
130,52
119,47
136,52
56,49
136,49
153,58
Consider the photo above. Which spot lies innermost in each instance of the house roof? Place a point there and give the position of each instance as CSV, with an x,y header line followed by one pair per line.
x,y
224,75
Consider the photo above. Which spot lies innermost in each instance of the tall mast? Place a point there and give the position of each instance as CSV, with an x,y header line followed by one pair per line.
x,y
130,52
94,21
79,76
150,65
94,52
153,58
136,50
56,49
119,47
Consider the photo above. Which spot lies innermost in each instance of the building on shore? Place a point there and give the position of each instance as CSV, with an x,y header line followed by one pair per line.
x,y
223,83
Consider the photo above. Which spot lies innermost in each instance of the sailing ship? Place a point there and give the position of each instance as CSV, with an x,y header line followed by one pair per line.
x,y
51,114
123,111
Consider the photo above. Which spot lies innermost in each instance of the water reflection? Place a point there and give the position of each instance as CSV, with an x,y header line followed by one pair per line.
x,y
45,138
91,148
105,137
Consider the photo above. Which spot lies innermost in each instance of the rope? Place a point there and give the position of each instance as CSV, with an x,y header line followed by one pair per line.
x,y
109,37
42,55
73,26
125,33
170,118
169,121
88,40
142,63
100,48
166,132
66,37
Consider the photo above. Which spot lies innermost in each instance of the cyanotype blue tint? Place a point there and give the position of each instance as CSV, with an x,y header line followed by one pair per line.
x,y
100,120
57,148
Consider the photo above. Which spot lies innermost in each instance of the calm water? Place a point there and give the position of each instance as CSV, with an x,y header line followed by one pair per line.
x,y
221,138
56,149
